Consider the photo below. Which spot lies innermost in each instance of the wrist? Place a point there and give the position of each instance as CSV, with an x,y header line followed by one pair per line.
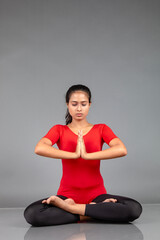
x,y
86,156
75,155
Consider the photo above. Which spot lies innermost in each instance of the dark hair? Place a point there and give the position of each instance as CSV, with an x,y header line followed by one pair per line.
x,y
78,87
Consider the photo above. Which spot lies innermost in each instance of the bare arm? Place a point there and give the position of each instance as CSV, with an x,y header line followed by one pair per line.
x,y
44,148
117,149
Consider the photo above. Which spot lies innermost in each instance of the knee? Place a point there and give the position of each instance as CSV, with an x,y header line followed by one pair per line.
x,y
135,210
30,216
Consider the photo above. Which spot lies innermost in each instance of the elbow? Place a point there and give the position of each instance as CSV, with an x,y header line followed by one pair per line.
x,y
124,151
37,150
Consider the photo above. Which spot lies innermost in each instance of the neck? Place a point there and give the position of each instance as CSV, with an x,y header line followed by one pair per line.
x,y
79,124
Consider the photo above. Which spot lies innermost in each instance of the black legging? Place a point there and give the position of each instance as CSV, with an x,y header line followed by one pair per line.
x,y
123,211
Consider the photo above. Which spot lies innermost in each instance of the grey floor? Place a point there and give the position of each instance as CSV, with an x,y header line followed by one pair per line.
x,y
147,227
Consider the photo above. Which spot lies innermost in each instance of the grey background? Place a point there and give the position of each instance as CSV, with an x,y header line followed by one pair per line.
x,y
113,47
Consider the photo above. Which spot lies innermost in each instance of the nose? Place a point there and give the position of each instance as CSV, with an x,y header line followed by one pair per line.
x,y
79,107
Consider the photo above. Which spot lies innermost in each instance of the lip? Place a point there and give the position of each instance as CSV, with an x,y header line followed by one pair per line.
x,y
78,114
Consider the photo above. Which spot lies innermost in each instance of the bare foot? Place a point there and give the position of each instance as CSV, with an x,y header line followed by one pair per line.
x,y
70,201
56,201
110,200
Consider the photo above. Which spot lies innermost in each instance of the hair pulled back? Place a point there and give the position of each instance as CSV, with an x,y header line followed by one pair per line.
x,y
74,88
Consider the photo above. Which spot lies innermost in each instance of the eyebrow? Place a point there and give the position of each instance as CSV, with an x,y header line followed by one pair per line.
x,y
76,101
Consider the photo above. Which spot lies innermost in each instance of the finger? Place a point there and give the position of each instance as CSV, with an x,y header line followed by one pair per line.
x,y
48,200
44,201
83,142
79,134
80,137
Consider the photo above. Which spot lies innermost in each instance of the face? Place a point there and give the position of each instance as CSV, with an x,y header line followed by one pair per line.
x,y
78,105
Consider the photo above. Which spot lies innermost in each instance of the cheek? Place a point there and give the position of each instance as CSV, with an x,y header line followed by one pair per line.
x,y
71,110
86,110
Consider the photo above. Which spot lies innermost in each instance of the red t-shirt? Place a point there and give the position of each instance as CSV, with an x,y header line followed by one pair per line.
x,y
81,179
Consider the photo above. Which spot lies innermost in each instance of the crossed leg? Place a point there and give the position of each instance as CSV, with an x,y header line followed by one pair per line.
x,y
111,208
82,218
41,214
70,205
60,210
114,208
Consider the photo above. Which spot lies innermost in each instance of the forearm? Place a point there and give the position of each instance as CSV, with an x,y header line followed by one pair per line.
x,y
112,152
51,152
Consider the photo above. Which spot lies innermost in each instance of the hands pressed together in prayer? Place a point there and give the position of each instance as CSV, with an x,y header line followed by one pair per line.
x,y
81,149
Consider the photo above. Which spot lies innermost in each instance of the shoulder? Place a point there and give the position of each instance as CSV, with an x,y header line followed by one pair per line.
x,y
103,127
57,127
60,127
100,125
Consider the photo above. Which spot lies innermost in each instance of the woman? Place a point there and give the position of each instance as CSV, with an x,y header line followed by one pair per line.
x,y
81,194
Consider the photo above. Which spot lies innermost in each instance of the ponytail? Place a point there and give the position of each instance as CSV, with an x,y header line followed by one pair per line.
x,y
68,117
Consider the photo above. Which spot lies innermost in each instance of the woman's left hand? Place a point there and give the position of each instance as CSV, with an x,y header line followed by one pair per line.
x,y
83,148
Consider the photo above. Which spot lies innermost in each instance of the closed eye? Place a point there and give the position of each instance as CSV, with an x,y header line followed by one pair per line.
x,y
76,104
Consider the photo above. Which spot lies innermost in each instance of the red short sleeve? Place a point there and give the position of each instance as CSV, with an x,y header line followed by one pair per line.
x,y
107,134
53,134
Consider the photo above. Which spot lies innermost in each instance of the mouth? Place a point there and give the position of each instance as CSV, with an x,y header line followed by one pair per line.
x,y
78,114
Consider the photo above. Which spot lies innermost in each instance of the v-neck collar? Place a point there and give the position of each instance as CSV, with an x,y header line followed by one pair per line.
x,y
84,134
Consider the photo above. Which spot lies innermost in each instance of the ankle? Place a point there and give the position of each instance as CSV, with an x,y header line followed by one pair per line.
x,y
83,218
78,209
